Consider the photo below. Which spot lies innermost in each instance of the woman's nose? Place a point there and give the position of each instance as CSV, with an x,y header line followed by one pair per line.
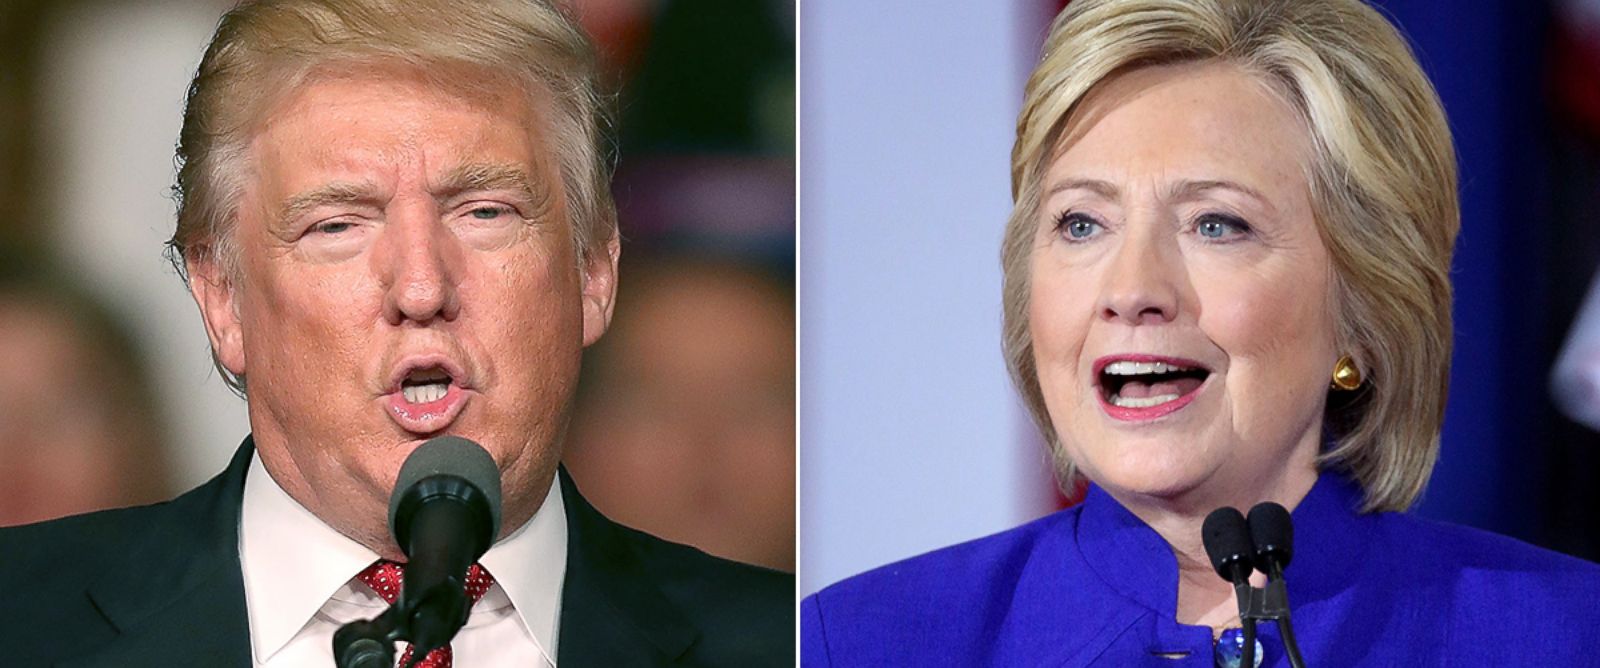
x,y
1141,285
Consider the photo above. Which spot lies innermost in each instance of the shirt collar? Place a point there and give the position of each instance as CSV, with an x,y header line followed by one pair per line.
x,y
530,565
293,563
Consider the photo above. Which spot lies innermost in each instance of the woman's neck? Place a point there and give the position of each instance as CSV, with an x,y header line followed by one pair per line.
x,y
1204,598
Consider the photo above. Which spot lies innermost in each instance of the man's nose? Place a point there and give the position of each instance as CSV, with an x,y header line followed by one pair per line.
x,y
421,266
1142,285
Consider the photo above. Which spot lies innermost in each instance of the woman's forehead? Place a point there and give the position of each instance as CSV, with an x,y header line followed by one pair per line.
x,y
1174,124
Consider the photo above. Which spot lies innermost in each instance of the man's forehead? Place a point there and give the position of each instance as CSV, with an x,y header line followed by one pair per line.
x,y
366,131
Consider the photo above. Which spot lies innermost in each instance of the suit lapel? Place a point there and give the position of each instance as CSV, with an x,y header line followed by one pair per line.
x,y
612,610
180,597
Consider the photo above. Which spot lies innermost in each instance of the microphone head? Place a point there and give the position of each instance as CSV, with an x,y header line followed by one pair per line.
x,y
1272,533
448,456
1227,540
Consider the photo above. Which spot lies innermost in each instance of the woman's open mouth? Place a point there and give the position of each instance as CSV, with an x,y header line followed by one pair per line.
x,y
1143,387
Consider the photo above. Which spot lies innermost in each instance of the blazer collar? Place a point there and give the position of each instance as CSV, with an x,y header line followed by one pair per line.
x,y
612,612
1135,561
181,594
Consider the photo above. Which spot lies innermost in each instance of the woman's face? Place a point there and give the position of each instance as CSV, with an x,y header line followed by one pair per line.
x,y
1181,295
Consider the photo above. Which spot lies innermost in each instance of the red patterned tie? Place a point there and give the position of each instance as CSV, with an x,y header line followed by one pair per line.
x,y
385,576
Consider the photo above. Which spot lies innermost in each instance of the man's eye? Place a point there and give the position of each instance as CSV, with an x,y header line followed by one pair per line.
x,y
489,212
332,227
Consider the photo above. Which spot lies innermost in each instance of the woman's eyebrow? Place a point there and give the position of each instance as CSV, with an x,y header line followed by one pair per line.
x,y
1188,189
1191,189
1182,190
1105,189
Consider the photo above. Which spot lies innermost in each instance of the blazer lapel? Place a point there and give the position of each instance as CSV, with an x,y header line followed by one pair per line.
x,y
612,610
180,599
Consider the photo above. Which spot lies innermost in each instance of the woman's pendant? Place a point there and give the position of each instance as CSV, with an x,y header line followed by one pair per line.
x,y
1230,649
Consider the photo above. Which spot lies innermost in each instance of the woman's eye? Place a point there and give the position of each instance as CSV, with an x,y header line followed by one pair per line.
x,y
1077,226
1218,227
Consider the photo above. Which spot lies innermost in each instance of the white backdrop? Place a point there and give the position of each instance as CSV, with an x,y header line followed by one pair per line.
x,y
911,437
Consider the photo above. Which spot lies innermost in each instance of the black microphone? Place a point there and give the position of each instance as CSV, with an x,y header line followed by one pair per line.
x,y
445,513
1272,536
1226,536
1227,539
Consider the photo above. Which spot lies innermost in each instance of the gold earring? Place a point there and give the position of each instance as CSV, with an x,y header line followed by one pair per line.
x,y
1345,374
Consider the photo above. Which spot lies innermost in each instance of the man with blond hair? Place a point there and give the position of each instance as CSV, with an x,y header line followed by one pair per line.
x,y
395,218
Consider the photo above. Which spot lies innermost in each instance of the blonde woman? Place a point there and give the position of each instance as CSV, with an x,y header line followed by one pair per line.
x,y
1226,282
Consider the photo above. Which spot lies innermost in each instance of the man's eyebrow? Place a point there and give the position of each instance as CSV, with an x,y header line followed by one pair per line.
x,y
487,176
463,179
332,193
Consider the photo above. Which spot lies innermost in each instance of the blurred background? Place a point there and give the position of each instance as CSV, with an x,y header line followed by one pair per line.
x,y
685,424
913,437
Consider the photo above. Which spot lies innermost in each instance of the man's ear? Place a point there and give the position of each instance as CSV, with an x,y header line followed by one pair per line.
x,y
215,293
599,289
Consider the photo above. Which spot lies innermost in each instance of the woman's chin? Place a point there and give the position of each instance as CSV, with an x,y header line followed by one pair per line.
x,y
1156,478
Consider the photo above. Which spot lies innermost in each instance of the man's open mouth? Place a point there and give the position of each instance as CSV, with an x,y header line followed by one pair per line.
x,y
1147,383
425,386
429,393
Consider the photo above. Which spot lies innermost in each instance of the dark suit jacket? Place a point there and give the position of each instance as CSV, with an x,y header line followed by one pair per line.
x,y
161,585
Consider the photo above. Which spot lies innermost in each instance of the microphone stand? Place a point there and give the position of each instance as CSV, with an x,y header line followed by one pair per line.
x,y
1245,594
369,643
1274,605
1226,536
1267,603
1272,534
1264,543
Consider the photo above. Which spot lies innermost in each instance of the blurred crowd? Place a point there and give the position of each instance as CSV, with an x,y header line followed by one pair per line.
x,y
685,425
80,428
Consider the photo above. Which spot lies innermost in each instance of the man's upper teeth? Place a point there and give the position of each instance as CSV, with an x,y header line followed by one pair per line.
x,y
421,394
1128,368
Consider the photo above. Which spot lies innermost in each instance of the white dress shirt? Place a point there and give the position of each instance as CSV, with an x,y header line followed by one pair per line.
x,y
300,586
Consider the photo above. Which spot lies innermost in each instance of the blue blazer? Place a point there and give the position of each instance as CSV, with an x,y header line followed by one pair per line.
x,y
1094,586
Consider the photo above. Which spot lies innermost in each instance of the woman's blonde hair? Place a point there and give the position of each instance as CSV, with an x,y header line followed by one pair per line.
x,y
1383,188
264,49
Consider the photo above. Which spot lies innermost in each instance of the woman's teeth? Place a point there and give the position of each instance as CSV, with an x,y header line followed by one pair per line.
x,y
422,394
1126,368
1141,402
1131,384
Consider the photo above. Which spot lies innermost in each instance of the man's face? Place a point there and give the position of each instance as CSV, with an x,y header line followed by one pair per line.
x,y
407,269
